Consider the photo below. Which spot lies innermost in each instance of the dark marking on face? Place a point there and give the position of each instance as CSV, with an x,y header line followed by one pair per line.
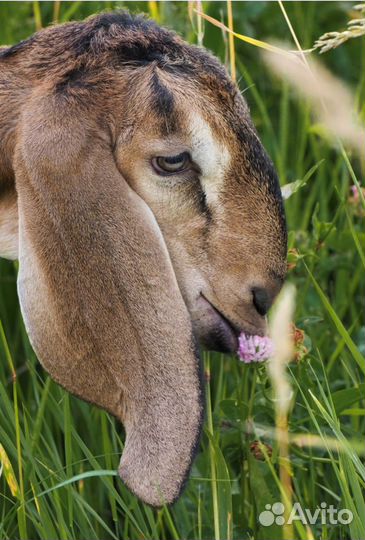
x,y
163,103
203,205
261,170
162,98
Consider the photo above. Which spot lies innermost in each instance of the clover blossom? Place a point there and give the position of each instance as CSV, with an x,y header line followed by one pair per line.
x,y
254,348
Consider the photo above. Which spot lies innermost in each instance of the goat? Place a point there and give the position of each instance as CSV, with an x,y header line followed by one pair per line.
x,y
147,219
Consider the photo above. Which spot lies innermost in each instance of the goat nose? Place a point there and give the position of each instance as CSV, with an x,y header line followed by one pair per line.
x,y
262,300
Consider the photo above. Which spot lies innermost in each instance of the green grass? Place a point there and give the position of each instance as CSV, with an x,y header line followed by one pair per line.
x,y
59,481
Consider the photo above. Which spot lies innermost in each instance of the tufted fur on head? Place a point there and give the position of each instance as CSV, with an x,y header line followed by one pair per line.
x,y
146,217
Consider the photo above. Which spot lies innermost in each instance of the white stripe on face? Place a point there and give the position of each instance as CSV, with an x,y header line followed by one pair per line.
x,y
212,157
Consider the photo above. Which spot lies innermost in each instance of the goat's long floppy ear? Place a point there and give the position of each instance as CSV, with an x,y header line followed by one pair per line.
x,y
99,296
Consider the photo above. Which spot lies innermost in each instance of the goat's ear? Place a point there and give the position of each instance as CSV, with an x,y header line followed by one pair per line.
x,y
99,296
9,224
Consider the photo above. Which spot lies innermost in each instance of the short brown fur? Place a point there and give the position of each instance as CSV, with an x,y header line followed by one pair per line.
x,y
122,270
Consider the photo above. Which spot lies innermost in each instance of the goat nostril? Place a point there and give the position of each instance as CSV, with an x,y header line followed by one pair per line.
x,y
261,300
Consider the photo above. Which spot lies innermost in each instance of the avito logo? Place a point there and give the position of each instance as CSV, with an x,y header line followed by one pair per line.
x,y
326,515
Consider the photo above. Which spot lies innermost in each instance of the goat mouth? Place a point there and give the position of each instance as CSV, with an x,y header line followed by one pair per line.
x,y
224,333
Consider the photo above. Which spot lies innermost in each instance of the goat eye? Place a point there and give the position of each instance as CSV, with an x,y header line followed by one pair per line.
x,y
171,164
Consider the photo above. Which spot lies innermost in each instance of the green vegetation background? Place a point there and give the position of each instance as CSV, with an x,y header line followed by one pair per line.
x,y
49,437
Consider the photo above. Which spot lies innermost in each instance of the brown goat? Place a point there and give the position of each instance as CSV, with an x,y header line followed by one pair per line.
x,y
150,220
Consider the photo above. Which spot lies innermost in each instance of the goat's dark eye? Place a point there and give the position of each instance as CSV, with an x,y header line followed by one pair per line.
x,y
171,164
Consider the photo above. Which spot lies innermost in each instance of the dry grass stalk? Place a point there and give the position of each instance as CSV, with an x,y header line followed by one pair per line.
x,y
283,353
153,10
56,11
232,54
332,40
304,440
331,100
195,10
281,332
247,39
